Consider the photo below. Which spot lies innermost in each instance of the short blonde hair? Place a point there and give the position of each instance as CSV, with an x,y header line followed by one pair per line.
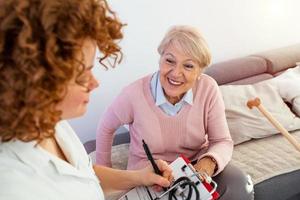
x,y
190,41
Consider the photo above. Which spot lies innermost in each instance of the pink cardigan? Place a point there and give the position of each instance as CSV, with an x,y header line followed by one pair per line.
x,y
196,131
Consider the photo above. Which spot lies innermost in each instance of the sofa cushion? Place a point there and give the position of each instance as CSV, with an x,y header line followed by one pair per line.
x,y
244,123
252,79
281,58
268,157
239,68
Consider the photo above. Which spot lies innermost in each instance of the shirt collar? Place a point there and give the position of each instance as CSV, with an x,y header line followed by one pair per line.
x,y
73,150
28,153
36,157
160,96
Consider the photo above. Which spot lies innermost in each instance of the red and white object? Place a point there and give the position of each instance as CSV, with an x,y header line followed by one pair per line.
x,y
204,188
181,168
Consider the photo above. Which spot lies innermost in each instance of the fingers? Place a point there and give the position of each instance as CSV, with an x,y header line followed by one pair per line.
x,y
165,179
168,175
165,169
161,181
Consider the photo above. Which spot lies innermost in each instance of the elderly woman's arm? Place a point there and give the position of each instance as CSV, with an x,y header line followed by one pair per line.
x,y
104,137
117,114
220,143
115,180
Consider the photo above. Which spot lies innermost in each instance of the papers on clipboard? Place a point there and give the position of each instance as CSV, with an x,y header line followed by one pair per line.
x,y
180,169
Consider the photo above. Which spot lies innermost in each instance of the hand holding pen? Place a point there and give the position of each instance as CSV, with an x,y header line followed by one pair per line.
x,y
150,158
160,167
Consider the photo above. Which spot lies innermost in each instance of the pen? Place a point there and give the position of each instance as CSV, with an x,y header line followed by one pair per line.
x,y
150,158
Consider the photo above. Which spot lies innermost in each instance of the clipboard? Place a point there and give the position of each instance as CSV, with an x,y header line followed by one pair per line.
x,y
181,168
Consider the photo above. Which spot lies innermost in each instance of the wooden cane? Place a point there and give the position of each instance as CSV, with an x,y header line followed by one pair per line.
x,y
257,103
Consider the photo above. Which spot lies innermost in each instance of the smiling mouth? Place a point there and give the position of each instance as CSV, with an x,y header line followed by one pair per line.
x,y
173,82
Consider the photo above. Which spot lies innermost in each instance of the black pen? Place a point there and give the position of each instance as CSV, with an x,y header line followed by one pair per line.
x,y
150,158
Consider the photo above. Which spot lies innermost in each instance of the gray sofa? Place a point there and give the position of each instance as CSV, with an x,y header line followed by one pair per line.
x,y
273,164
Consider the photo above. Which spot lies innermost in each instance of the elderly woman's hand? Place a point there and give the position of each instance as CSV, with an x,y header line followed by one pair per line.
x,y
148,177
207,165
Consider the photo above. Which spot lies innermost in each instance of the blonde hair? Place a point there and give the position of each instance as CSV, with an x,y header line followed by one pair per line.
x,y
190,41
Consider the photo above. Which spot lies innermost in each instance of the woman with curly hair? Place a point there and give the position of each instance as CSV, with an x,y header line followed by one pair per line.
x,y
47,50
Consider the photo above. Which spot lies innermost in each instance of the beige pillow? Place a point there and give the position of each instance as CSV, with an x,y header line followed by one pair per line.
x,y
245,123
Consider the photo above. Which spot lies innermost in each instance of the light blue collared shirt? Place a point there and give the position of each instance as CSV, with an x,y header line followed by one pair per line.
x,y
162,102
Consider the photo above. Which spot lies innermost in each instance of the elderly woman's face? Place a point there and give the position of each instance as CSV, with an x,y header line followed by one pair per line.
x,y
178,73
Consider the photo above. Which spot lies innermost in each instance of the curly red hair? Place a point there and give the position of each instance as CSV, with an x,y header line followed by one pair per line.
x,y
39,41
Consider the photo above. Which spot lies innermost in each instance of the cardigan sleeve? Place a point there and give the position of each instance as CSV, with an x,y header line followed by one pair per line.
x,y
118,113
220,144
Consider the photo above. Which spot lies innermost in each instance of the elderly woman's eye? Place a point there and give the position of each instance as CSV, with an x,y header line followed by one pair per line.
x,y
188,66
170,61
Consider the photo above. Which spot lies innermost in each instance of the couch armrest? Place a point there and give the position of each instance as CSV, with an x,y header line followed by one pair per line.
x,y
121,137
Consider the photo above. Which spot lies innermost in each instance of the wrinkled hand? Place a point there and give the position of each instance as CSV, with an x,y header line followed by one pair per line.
x,y
148,177
206,165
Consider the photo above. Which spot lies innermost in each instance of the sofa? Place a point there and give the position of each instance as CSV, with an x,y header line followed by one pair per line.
x,y
271,161
260,151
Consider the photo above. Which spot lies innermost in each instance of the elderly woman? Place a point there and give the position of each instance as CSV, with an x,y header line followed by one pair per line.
x,y
47,50
176,110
